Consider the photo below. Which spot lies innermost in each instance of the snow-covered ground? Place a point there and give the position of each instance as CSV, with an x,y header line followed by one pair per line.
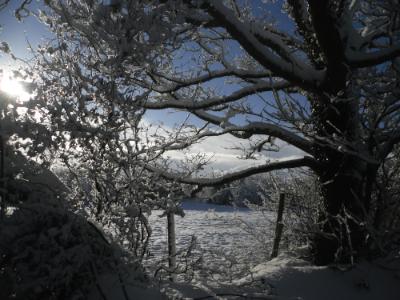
x,y
290,278
221,232
219,229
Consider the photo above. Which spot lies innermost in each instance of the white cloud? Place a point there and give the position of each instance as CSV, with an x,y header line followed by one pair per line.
x,y
224,158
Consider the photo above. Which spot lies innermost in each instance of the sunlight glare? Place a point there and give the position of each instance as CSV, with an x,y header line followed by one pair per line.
x,y
13,87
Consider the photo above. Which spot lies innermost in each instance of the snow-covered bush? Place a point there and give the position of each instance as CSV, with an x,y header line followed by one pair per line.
x,y
302,201
119,198
50,253
238,193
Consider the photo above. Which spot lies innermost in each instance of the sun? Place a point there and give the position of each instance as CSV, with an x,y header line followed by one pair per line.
x,y
13,87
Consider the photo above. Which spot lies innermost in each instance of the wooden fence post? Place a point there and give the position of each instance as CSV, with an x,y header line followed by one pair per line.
x,y
171,243
279,226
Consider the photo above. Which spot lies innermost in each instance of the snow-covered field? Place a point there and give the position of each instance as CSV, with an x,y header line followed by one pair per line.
x,y
222,232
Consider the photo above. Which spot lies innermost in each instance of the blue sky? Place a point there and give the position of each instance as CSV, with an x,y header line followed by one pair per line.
x,y
17,33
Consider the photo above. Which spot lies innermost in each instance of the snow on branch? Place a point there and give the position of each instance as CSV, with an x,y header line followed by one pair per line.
x,y
278,132
185,82
306,161
239,94
260,128
361,60
270,53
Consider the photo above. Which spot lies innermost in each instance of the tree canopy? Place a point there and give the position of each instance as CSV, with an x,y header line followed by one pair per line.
x,y
322,76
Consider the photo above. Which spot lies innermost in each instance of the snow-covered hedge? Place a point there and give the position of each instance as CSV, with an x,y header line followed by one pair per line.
x,y
50,253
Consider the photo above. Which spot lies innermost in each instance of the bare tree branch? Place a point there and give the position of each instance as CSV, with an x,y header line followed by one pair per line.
x,y
185,82
306,161
262,86
260,128
294,71
361,60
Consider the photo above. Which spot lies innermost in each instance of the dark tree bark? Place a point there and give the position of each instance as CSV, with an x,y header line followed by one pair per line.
x,y
342,235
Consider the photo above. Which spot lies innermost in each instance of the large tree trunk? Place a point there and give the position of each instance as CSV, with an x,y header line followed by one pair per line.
x,y
343,235
344,179
335,112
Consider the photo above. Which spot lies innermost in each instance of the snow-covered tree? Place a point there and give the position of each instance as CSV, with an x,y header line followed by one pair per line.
x,y
321,76
93,145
